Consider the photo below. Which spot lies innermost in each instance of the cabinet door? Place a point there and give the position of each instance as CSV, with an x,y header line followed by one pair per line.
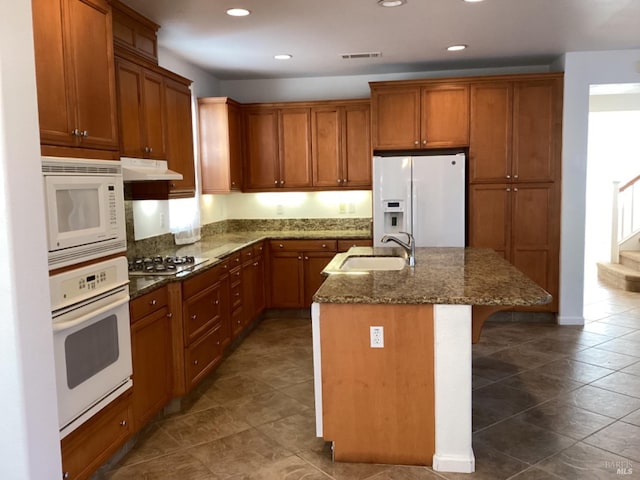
x,y
152,357
314,263
534,235
326,146
179,138
445,116
295,147
202,312
287,280
490,134
356,146
396,121
90,47
129,83
248,298
55,107
259,300
490,217
261,130
536,130
153,114
235,147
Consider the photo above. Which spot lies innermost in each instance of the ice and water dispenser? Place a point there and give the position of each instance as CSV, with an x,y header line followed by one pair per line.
x,y
394,217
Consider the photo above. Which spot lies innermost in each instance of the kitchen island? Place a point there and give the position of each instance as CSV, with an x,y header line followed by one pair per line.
x,y
401,393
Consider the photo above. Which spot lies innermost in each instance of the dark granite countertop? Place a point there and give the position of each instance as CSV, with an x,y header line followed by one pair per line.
x,y
217,247
462,276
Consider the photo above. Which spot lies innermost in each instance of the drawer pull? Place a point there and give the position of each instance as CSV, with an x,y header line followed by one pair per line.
x,y
153,302
324,245
236,294
218,342
195,362
65,475
217,302
238,322
280,245
169,315
123,423
249,254
255,264
194,316
306,258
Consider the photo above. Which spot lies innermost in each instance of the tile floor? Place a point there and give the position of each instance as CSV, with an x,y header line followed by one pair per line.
x,y
548,403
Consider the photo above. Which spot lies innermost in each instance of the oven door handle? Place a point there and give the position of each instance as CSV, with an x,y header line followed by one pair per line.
x,y
58,327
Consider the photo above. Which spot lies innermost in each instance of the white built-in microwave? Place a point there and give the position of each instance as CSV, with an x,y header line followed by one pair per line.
x,y
84,209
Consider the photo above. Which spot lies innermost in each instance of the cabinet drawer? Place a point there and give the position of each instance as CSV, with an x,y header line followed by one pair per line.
x,y
344,245
235,276
203,280
234,260
329,245
201,312
203,355
247,254
258,249
236,296
237,322
148,303
88,447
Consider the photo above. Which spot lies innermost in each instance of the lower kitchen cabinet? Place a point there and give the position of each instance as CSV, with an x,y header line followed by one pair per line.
x,y
91,444
295,270
152,356
253,298
344,245
522,223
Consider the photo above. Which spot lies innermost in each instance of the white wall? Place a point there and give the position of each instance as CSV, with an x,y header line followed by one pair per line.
x,y
344,87
581,70
29,438
204,84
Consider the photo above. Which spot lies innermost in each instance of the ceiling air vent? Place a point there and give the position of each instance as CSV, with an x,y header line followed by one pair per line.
x,y
348,56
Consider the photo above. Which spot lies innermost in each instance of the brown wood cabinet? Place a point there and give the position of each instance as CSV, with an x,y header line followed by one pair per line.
x,y
220,132
206,317
91,444
295,270
341,145
134,33
179,136
75,75
261,149
418,115
253,292
344,245
516,130
152,355
521,222
141,111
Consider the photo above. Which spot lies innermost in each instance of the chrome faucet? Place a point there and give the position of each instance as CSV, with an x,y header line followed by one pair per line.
x,y
409,248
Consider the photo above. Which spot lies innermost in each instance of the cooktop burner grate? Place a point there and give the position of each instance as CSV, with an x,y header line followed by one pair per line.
x,y
163,265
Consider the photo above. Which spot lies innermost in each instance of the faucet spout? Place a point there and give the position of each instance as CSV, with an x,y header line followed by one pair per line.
x,y
409,247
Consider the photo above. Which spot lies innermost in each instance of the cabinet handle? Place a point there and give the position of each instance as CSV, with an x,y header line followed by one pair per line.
x,y
169,315
150,149
76,133
324,245
237,294
508,189
281,246
146,149
515,176
218,342
344,180
306,258
281,182
238,322
255,264
173,185
194,316
84,133
217,302
65,475
424,142
153,302
508,176
515,189
416,142
339,180
299,258
195,362
276,182
123,423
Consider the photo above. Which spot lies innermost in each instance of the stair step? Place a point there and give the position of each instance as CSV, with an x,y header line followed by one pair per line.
x,y
620,276
630,258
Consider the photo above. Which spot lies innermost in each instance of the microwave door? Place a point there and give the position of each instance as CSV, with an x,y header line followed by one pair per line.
x,y
77,211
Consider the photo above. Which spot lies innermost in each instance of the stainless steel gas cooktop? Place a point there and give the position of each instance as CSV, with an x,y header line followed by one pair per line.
x,y
163,265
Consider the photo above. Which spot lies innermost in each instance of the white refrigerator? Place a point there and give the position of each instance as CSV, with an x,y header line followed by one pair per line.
x,y
422,195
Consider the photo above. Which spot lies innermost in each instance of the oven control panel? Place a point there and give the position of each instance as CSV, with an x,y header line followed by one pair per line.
x,y
79,284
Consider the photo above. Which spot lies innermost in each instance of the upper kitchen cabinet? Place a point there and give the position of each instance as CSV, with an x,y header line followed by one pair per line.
x,y
75,77
134,33
419,115
179,137
220,124
516,129
278,148
341,145
141,111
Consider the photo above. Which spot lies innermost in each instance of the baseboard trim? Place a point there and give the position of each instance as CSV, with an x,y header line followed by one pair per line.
x,y
564,320
454,463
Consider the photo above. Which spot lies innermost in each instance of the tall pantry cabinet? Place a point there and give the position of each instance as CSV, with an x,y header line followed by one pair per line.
x,y
514,173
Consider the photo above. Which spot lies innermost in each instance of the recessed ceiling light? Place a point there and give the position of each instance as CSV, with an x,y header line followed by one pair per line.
x,y
238,12
456,48
283,56
391,3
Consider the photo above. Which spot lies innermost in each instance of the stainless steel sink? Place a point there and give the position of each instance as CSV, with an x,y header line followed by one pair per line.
x,y
372,263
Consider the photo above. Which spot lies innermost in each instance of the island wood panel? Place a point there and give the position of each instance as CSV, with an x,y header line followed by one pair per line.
x,y
490,217
378,403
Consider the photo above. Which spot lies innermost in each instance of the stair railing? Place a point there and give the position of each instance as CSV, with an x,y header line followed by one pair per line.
x,y
625,220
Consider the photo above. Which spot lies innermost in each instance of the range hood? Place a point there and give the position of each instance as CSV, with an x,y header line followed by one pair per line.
x,y
143,170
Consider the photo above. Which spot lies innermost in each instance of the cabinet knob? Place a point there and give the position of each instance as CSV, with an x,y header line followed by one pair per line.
x,y
324,245
173,185
153,302
195,362
299,258
344,180
123,423
508,176
515,176
416,142
280,245
146,149
169,315
424,142
76,133
84,133
238,322
515,189
249,254
65,475
237,294
508,189
217,302
255,264
339,180
194,316
281,182
306,258
276,182
218,342
150,149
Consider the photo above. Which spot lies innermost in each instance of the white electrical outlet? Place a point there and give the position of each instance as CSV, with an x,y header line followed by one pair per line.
x,y
279,209
163,221
377,337
342,208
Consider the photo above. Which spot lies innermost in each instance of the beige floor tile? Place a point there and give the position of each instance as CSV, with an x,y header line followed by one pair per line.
x,y
205,426
179,465
584,462
340,470
296,433
267,407
228,389
302,392
600,401
153,442
290,468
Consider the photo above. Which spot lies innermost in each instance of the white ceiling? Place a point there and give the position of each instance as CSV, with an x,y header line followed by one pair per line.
x,y
413,37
